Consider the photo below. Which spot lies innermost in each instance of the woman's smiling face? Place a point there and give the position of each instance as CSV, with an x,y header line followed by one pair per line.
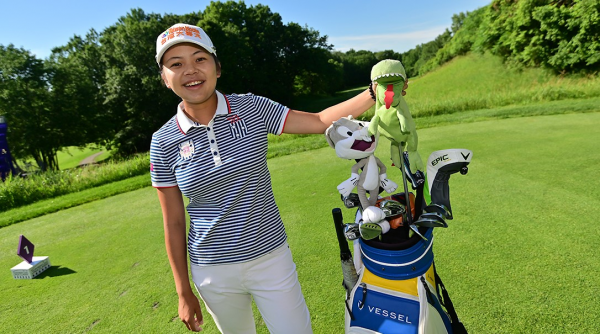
x,y
191,72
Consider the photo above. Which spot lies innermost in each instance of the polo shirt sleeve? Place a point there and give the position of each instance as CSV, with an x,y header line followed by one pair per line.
x,y
272,113
161,174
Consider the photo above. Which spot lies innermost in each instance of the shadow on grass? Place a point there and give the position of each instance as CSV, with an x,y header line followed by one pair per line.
x,y
55,271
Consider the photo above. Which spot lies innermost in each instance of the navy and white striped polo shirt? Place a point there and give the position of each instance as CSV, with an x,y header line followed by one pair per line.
x,y
222,169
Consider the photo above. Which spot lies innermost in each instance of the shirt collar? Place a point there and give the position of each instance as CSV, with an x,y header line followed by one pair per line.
x,y
185,123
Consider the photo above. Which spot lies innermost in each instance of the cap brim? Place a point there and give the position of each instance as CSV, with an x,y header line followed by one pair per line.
x,y
172,42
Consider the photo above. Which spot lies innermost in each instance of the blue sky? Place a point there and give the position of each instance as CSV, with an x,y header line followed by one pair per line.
x,y
399,25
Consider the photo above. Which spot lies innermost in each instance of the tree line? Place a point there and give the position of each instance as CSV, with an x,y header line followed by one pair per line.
x,y
561,35
104,87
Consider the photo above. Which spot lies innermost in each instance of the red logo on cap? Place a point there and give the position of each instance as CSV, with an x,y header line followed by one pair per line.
x,y
179,31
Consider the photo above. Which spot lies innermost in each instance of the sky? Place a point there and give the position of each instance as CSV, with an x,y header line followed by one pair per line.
x,y
399,25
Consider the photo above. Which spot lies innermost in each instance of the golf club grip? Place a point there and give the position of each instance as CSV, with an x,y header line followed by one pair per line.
x,y
338,221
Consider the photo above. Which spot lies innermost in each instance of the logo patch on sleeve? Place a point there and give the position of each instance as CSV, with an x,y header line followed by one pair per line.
x,y
186,149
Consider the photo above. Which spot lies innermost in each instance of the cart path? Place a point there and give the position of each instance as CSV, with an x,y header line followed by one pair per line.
x,y
91,159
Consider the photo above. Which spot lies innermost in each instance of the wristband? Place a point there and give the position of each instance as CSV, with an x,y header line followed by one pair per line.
x,y
371,91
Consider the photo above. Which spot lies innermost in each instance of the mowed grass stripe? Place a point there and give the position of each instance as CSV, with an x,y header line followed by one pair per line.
x,y
522,248
291,144
58,203
516,213
518,255
111,253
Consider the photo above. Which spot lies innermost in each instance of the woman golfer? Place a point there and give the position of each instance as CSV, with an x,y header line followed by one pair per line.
x,y
213,151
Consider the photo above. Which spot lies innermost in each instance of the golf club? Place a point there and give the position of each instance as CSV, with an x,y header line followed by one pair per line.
x,y
409,217
351,231
416,230
392,208
439,208
404,182
433,215
431,219
440,165
348,269
351,201
370,231
416,179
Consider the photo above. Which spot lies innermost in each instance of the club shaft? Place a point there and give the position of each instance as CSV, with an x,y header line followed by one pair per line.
x,y
406,194
338,221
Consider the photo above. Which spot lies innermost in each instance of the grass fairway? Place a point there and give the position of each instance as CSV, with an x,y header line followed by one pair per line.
x,y
519,257
70,157
522,253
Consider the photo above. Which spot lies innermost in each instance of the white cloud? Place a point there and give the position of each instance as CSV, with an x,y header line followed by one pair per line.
x,y
399,42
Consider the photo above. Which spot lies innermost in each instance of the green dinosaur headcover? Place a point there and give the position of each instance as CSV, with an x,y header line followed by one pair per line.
x,y
392,117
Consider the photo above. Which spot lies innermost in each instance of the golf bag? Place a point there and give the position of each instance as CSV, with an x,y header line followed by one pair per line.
x,y
391,282
6,162
398,289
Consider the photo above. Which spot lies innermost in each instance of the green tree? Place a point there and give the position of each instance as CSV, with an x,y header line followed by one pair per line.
x,y
410,60
562,35
430,49
457,21
76,76
134,98
387,54
324,79
414,60
260,54
571,32
308,51
513,33
24,99
357,67
467,32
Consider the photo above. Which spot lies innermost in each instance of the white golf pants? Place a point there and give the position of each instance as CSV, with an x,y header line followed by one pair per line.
x,y
227,291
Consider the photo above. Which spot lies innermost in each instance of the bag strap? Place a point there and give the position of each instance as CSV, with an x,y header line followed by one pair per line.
x,y
349,310
457,326
361,303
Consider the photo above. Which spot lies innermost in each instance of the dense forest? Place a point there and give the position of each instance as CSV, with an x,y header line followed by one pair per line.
x,y
104,88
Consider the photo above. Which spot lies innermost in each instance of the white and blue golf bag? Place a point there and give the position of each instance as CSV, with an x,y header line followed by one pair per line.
x,y
398,290
391,282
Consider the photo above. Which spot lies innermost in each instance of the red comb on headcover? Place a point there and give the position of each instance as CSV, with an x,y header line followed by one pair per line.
x,y
389,96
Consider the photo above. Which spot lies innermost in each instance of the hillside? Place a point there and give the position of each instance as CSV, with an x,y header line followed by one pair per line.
x,y
477,81
482,81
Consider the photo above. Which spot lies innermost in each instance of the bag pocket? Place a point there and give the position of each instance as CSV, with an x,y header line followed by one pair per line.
x,y
410,306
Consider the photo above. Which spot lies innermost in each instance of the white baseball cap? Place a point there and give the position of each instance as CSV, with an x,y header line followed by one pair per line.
x,y
182,33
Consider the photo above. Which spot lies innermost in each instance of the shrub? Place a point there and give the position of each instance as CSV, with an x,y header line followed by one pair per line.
x,y
18,191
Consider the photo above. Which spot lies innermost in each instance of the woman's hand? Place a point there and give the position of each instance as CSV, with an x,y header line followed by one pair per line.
x,y
190,312
173,209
